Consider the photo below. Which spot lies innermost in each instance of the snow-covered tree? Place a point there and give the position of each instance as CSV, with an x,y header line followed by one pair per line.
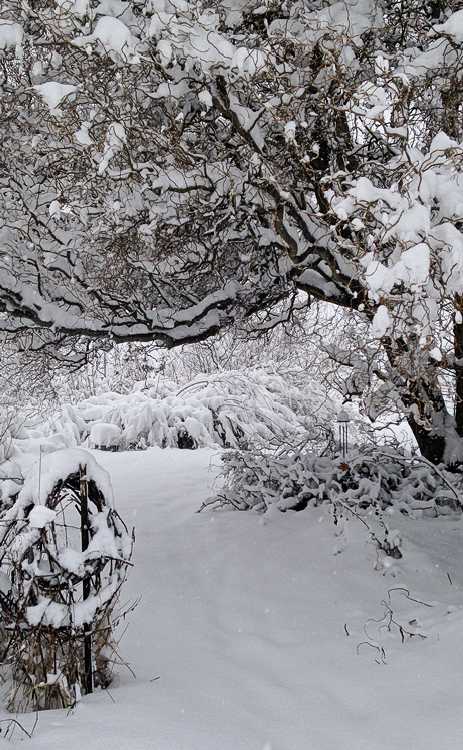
x,y
168,167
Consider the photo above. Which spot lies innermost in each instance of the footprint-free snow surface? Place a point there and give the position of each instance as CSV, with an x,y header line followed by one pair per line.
x,y
271,632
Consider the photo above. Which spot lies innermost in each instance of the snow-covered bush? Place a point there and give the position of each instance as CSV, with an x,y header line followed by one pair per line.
x,y
24,402
105,436
231,409
367,482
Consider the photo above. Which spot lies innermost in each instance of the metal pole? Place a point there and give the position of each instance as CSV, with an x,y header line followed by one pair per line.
x,y
85,536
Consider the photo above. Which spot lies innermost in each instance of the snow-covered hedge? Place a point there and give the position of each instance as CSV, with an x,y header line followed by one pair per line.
x,y
367,481
231,409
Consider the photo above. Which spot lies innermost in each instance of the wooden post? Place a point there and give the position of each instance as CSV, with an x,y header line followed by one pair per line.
x,y
85,536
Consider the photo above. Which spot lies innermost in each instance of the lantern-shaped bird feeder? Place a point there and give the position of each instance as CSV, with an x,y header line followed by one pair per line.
x,y
343,425
64,555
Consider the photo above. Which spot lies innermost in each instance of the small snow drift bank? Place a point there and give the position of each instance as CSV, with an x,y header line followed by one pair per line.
x,y
272,631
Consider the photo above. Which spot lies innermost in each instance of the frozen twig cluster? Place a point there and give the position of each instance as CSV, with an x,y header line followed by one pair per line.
x,y
369,481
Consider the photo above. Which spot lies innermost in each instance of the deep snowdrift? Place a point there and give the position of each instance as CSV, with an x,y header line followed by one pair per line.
x,y
253,626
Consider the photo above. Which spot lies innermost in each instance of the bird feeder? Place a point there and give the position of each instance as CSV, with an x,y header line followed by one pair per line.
x,y
343,427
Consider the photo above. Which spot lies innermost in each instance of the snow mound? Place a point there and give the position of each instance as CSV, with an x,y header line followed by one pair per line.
x,y
112,37
453,26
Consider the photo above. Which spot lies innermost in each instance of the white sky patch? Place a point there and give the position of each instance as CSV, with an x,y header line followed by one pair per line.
x,y
11,35
53,94
381,322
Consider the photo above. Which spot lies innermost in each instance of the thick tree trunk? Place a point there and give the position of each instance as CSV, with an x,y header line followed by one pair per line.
x,y
458,365
440,442
438,433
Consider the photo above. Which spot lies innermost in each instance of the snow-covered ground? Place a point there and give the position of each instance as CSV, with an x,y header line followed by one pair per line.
x,y
252,626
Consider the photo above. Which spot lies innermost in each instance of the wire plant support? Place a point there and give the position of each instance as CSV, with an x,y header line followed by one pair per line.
x,y
64,556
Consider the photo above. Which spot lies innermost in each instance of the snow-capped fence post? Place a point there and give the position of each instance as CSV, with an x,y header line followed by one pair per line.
x,y
85,536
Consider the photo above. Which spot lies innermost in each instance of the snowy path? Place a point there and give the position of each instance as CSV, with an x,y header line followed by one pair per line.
x,y
243,620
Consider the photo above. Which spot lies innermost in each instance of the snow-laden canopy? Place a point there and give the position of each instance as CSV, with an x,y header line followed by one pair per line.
x,y
168,168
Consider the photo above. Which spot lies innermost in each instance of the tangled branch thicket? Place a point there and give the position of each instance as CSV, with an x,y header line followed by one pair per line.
x,y
64,555
369,481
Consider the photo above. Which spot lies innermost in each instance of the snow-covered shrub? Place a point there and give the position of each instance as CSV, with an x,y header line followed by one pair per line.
x,y
231,409
105,436
64,553
365,482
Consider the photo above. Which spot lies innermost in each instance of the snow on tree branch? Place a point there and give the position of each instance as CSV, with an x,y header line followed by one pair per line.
x,y
167,169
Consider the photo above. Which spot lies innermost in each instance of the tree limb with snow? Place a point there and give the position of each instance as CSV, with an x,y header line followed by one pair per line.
x,y
167,169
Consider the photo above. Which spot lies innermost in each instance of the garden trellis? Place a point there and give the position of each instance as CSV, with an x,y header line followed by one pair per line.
x,y
64,555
